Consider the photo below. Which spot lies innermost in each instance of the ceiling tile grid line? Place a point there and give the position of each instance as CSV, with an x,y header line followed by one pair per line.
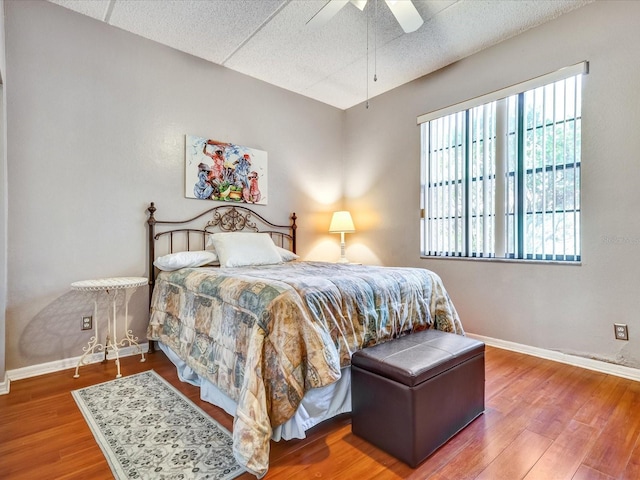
x,y
255,32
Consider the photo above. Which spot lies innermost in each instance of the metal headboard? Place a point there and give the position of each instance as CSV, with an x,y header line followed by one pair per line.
x,y
223,218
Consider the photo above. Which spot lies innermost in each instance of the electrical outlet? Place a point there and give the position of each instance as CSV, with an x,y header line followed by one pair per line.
x,y
87,322
621,331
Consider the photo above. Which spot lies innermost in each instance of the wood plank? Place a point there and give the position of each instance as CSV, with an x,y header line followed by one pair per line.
x,y
632,471
503,368
564,456
602,401
612,450
518,458
485,447
586,473
525,385
562,398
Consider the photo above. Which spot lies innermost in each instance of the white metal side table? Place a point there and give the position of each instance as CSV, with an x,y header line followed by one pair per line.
x,y
111,287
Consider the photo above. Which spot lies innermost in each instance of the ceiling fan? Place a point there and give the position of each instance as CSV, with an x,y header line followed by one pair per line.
x,y
405,12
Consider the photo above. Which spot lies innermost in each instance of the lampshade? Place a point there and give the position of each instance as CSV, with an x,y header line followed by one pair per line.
x,y
341,222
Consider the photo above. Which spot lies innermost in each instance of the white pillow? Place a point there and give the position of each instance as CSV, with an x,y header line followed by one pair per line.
x,y
196,258
239,249
286,255
209,244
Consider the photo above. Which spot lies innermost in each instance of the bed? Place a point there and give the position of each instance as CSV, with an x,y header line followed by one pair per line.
x,y
266,336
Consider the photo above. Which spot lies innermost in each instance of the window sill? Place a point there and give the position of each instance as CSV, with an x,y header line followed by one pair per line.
x,y
503,260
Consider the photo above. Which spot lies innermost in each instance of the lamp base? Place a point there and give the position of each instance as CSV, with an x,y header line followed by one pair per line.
x,y
343,256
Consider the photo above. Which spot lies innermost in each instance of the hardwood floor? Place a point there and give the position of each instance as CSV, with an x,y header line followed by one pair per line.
x,y
543,420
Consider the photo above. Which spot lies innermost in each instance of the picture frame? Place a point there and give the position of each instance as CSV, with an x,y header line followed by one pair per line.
x,y
225,172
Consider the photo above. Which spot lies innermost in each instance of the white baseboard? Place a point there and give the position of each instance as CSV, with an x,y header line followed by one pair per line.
x,y
67,363
588,363
4,386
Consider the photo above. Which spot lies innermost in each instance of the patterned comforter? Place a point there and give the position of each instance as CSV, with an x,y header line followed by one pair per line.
x,y
266,335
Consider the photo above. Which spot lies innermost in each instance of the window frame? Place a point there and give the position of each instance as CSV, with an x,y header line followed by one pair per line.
x,y
501,132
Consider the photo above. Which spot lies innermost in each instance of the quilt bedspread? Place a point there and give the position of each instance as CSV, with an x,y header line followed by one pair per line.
x,y
266,335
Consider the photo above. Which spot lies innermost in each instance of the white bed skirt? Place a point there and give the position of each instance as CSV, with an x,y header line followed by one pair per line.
x,y
317,405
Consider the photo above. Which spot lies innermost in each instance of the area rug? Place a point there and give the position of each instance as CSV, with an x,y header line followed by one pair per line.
x,y
149,430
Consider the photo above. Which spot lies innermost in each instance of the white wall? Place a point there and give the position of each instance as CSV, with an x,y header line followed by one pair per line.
x,y
557,307
96,126
3,202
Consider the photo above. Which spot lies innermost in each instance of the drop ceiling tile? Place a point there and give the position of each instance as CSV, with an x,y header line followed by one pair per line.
x,y
208,29
92,8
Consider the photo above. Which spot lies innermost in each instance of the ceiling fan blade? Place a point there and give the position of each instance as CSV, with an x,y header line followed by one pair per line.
x,y
326,13
406,14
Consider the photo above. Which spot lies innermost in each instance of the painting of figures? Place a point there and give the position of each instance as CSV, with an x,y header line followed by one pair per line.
x,y
216,170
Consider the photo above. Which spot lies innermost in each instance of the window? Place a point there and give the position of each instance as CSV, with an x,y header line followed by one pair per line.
x,y
501,174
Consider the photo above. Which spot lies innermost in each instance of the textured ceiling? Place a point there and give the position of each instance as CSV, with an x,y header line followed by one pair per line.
x,y
269,39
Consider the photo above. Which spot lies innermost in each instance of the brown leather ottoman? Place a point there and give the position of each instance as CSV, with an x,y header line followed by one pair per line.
x,y
412,394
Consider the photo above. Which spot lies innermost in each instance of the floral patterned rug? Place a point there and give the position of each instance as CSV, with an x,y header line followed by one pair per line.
x,y
149,430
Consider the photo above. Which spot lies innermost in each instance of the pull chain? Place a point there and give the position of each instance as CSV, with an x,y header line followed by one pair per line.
x,y
375,43
367,61
375,47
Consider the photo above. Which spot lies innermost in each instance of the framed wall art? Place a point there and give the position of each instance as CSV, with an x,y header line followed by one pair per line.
x,y
216,170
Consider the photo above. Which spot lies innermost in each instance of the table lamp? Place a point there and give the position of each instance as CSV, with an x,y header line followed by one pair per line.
x,y
342,223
